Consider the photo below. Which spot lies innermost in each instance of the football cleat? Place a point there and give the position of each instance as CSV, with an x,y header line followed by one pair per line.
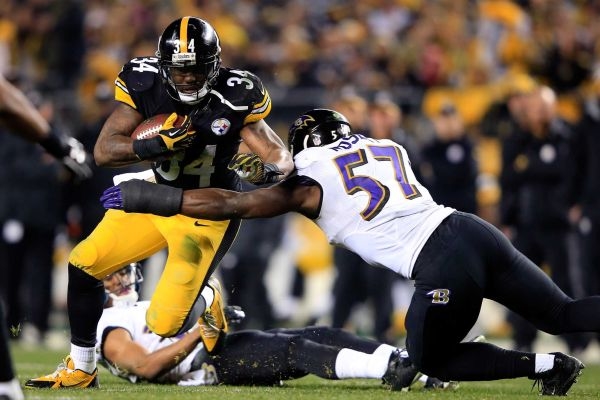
x,y
65,376
401,373
437,384
558,380
213,324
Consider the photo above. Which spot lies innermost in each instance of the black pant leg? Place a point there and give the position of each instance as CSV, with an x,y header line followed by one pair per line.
x,y
332,337
7,372
38,269
263,358
349,286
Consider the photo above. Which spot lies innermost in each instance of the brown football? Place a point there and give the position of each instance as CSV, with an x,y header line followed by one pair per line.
x,y
150,127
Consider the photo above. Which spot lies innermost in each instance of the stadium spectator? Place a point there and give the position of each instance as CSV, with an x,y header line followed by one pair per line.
x,y
448,166
537,185
586,214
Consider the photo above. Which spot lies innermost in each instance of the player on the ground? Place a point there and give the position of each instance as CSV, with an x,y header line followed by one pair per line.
x,y
364,195
130,350
221,107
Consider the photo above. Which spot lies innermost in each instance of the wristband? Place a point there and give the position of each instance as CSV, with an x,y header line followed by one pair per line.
x,y
54,145
143,197
149,148
272,173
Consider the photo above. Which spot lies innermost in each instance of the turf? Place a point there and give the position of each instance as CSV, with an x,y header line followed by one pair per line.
x,y
31,363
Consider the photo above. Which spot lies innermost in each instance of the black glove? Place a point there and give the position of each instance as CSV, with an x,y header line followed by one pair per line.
x,y
70,152
143,197
234,315
170,138
251,168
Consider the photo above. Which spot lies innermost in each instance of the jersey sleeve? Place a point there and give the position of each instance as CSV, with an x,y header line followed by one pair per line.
x,y
243,92
137,77
261,107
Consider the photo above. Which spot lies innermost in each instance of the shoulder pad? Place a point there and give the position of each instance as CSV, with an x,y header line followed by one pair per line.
x,y
244,92
139,74
308,156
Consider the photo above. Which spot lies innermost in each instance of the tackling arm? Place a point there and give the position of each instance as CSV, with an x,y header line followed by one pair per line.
x,y
215,204
120,349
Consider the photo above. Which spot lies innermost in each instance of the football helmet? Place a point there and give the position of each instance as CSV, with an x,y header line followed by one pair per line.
x,y
189,58
316,128
122,286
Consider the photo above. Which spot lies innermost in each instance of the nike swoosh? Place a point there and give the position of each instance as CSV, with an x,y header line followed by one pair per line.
x,y
196,223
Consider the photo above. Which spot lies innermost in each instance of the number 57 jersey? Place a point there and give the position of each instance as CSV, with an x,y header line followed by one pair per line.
x,y
372,203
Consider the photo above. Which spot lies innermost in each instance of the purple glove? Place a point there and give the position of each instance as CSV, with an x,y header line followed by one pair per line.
x,y
112,198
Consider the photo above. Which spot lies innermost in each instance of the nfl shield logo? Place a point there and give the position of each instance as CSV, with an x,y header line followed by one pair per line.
x,y
220,126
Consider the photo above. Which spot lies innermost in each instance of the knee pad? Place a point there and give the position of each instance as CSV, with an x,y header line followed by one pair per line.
x,y
84,256
168,322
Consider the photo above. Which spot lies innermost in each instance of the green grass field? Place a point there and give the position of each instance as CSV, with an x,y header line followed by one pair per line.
x,y
31,363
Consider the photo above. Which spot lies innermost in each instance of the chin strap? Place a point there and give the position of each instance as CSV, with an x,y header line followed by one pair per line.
x,y
127,300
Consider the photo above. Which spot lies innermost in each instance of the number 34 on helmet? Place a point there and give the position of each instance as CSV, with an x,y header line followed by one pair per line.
x,y
189,55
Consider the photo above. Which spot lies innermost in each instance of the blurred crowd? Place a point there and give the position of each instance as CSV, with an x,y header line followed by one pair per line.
x,y
496,101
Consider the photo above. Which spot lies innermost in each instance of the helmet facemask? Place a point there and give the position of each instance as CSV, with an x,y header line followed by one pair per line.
x,y
189,83
121,286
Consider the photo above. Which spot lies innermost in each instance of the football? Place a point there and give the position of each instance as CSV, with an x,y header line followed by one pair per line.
x,y
151,126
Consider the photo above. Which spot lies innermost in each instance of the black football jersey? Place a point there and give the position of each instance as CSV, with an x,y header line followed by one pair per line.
x,y
237,98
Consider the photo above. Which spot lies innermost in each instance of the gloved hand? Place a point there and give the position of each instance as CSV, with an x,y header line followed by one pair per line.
x,y
143,197
234,315
71,153
251,168
170,138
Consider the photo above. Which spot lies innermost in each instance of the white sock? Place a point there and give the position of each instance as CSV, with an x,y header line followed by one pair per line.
x,y
12,389
84,358
355,364
543,362
208,295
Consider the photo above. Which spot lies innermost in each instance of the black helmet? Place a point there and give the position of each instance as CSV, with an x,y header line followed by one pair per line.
x,y
317,127
189,44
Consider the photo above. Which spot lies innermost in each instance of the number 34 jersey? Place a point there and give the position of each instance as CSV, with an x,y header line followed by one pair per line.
x,y
372,203
236,99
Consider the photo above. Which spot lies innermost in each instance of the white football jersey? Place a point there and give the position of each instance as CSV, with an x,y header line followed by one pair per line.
x,y
133,319
372,203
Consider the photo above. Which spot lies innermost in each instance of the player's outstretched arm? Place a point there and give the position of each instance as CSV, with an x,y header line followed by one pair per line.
x,y
215,204
120,349
23,119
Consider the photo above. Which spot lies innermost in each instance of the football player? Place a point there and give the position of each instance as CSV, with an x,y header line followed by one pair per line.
x,y
220,107
128,349
21,117
364,195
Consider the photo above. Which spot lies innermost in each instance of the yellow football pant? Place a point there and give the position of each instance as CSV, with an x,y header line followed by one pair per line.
x,y
195,247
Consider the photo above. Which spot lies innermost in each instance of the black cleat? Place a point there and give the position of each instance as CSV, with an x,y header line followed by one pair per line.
x,y
438,384
558,380
401,373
